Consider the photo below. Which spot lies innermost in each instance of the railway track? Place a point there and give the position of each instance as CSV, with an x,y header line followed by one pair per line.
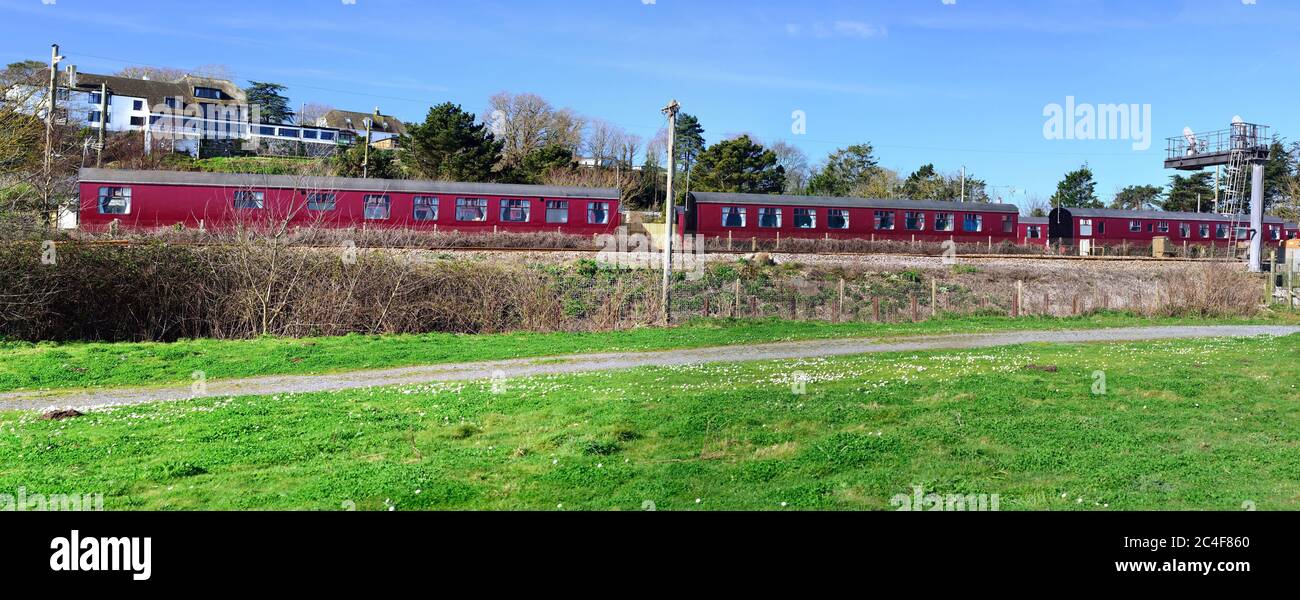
x,y
523,250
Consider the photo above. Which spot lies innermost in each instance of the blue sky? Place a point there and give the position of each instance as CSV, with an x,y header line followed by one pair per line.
x,y
924,81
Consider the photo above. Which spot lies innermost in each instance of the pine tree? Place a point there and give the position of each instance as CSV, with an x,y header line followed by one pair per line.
x,y
451,145
1077,190
739,165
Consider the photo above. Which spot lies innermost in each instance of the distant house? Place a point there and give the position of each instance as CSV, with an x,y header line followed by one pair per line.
x,y
384,132
182,112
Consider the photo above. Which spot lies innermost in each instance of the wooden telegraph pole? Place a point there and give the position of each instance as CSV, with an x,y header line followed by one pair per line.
x,y
365,161
51,105
669,209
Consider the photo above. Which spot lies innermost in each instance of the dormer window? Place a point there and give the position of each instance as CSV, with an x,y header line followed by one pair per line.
x,y
207,92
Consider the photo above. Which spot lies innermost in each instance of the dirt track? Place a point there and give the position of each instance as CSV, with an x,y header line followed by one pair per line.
x,y
89,400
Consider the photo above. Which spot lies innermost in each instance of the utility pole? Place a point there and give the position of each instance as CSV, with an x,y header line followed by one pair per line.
x,y
669,212
963,183
55,59
365,162
103,123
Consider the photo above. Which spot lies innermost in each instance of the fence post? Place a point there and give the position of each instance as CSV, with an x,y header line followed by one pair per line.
x,y
875,308
1076,305
706,306
1047,304
736,293
728,240
916,315
839,311
934,298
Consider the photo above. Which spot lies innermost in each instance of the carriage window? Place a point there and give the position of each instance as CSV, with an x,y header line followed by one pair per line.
x,y
1101,228
733,216
884,219
321,201
1163,227
837,218
1205,231
114,200
426,208
1221,231
515,211
769,217
1008,225
914,221
597,213
471,209
377,207
1135,226
557,211
1034,232
1274,233
805,218
943,222
1085,227
1243,233
250,199
1184,230
973,223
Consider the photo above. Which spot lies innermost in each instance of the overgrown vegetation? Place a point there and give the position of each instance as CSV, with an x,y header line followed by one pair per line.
x,y
287,286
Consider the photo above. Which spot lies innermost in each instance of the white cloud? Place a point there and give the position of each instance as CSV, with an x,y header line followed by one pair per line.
x,y
841,28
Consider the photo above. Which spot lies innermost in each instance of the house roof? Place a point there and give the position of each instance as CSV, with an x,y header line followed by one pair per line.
x,y
124,176
1115,213
156,92
339,119
782,200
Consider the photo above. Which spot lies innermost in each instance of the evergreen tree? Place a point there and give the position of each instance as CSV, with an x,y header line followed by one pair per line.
x,y
1186,192
739,165
845,171
1077,190
451,145
273,107
1137,197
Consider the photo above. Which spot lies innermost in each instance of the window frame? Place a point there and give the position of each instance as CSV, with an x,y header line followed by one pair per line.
x,y
1134,226
951,221
106,192
314,201
808,214
966,220
879,218
913,220
1085,223
604,210
240,200
469,203
733,211
838,213
366,205
557,205
430,204
507,208
772,209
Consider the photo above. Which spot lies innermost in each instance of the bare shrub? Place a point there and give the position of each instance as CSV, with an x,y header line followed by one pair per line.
x,y
1209,290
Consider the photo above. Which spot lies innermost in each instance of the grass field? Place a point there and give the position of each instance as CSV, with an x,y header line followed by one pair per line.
x,y
25,366
1201,424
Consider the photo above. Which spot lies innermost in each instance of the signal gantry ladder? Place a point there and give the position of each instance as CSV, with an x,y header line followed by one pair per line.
x,y
1243,149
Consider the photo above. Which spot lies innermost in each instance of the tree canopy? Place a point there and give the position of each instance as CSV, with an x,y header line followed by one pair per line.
x,y
738,165
273,106
451,145
1077,190
1186,192
1138,197
845,171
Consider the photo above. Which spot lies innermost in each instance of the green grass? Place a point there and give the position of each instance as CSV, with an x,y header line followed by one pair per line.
x,y
1191,424
26,366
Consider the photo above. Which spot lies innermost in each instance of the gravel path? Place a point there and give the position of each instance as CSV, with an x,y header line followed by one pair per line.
x,y
283,384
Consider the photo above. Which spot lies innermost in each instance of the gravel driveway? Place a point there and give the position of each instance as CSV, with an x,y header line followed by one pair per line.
x,y
260,386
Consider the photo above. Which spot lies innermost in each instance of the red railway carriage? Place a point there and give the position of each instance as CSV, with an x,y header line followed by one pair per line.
x,y
1109,227
748,216
1032,231
153,199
